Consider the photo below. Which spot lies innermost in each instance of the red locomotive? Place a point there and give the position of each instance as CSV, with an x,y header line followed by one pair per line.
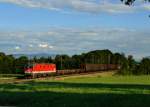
x,y
37,70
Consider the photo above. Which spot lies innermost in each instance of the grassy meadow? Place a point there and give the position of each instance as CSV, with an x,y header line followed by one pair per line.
x,y
95,90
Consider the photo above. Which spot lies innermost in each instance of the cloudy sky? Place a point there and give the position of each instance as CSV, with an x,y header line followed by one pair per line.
x,y
74,26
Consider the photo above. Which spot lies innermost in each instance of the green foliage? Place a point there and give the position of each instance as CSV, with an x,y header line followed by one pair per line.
x,y
64,62
98,57
144,67
6,64
20,64
130,2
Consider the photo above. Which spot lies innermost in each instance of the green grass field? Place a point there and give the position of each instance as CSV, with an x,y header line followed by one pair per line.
x,y
99,90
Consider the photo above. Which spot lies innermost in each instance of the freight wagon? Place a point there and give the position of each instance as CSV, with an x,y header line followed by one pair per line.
x,y
70,71
99,67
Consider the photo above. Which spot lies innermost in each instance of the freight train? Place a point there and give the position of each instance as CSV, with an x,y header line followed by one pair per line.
x,y
43,70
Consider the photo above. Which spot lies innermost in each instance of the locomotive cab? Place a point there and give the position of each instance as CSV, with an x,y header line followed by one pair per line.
x,y
28,68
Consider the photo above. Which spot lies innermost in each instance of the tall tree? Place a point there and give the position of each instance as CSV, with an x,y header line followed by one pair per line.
x,y
144,67
20,64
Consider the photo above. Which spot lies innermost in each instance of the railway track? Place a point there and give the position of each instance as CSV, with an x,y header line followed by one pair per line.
x,y
61,77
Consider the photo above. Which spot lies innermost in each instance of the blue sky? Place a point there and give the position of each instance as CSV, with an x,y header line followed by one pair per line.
x,y
74,26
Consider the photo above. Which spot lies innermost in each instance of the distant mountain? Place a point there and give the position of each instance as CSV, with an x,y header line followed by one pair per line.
x,y
38,55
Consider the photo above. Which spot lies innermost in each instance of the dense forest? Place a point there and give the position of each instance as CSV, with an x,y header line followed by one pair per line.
x,y
12,65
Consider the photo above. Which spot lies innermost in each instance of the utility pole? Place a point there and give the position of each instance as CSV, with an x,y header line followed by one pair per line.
x,y
93,59
61,62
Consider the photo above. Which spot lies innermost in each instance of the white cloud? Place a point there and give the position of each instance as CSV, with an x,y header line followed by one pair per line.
x,y
31,46
122,45
76,40
45,45
51,47
89,6
17,48
146,6
89,33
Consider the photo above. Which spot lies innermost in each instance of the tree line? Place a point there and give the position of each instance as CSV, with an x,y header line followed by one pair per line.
x,y
11,65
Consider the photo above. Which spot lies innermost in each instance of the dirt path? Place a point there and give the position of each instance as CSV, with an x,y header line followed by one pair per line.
x,y
91,74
